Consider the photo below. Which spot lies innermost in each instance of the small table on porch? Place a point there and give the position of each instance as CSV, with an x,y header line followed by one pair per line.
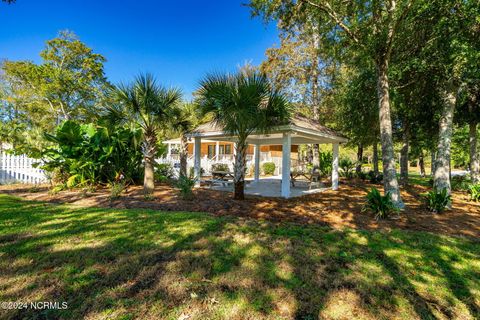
x,y
222,175
312,177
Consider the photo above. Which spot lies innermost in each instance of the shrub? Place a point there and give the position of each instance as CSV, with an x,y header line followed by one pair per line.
x,y
374,178
461,183
59,187
326,159
220,167
148,197
268,168
186,184
347,167
116,190
164,172
191,172
437,201
474,191
34,189
380,205
91,154
362,175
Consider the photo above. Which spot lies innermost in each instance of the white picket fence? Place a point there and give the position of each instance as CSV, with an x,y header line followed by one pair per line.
x,y
19,169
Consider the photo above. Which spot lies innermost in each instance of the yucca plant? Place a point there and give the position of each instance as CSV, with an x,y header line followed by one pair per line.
x,y
116,190
185,185
438,201
347,166
380,205
474,191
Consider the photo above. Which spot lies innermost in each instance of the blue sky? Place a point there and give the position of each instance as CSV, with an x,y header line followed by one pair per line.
x,y
178,41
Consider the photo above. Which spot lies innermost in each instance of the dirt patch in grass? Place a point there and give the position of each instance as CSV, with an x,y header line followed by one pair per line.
x,y
337,209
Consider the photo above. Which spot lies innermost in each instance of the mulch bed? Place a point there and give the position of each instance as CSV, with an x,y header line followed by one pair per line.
x,y
336,209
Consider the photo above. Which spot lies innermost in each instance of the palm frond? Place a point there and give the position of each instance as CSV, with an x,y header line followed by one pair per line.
x,y
242,103
143,102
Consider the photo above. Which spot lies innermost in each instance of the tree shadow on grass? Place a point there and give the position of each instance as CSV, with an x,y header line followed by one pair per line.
x,y
158,265
123,259
456,281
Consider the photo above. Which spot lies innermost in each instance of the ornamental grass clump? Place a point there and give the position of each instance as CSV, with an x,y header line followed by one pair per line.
x,y
438,201
185,185
381,206
474,191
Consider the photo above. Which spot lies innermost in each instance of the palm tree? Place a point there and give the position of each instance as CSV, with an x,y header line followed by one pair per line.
x,y
146,104
242,104
183,119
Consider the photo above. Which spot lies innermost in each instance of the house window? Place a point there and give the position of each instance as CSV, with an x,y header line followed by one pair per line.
x,y
211,151
225,149
174,149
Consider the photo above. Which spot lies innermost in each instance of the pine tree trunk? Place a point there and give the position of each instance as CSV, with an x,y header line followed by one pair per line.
x,y
390,182
421,164
474,161
315,90
149,150
183,155
375,158
441,178
404,157
316,155
309,153
433,157
239,171
359,158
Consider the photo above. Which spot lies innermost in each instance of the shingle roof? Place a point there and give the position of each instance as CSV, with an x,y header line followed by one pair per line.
x,y
303,122
297,120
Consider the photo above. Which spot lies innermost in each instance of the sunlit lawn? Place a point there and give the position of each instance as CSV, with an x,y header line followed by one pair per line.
x,y
125,264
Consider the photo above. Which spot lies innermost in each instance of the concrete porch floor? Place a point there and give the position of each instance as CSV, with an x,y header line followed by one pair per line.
x,y
271,187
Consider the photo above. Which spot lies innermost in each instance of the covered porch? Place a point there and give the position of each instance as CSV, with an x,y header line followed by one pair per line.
x,y
272,187
299,131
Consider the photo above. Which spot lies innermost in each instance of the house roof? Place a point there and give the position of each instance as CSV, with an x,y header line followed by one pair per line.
x,y
303,130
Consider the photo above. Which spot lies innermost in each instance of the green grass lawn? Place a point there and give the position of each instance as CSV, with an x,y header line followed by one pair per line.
x,y
124,264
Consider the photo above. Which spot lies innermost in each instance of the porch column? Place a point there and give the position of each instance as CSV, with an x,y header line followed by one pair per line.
x,y
197,160
256,152
286,149
169,150
335,167
217,150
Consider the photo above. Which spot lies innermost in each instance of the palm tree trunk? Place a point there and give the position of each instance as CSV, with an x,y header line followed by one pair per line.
x,y
441,178
390,183
474,161
183,155
239,170
149,150
149,181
